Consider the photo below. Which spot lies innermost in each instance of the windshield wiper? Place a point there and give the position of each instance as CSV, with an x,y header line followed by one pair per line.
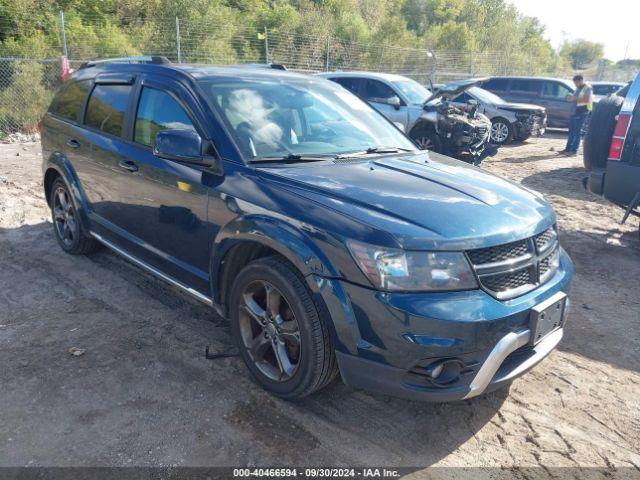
x,y
374,150
291,158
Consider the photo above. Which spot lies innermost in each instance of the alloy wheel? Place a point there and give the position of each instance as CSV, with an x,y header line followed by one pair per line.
x,y
64,217
499,132
269,330
424,143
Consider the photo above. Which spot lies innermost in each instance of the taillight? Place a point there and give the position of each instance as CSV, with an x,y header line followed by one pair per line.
x,y
619,134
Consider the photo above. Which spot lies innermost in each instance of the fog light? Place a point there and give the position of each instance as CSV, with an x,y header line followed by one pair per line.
x,y
444,372
435,372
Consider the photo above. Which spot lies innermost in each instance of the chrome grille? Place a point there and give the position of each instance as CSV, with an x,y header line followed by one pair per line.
x,y
515,268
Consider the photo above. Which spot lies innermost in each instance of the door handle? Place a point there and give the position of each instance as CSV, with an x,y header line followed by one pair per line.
x,y
73,143
128,165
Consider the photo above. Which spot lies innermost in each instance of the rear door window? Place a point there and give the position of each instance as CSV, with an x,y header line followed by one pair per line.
x,y
352,84
158,110
69,101
107,107
525,85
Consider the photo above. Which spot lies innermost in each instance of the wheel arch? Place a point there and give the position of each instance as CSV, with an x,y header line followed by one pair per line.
x,y
248,238
58,166
422,125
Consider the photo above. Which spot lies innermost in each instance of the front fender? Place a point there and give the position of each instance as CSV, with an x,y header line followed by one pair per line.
x,y
288,241
297,247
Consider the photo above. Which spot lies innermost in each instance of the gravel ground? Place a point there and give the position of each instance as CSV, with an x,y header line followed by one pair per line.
x,y
143,393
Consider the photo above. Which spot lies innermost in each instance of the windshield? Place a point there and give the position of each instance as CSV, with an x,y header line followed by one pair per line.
x,y
415,93
485,96
272,118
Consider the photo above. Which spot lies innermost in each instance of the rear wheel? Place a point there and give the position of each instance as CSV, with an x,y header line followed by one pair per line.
x,y
281,337
66,224
600,131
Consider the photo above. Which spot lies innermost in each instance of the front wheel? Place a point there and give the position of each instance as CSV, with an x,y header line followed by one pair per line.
x,y
428,140
501,131
281,337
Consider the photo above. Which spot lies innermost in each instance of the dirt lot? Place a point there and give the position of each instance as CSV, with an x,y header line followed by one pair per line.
x,y
143,393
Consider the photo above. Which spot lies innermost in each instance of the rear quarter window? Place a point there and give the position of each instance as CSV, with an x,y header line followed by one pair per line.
x,y
68,102
107,107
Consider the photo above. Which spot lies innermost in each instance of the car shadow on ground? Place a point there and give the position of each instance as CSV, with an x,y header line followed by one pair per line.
x,y
553,134
144,344
604,263
530,158
565,182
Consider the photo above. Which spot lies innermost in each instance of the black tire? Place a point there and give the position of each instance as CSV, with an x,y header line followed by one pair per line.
x,y
315,363
427,140
505,128
601,125
66,223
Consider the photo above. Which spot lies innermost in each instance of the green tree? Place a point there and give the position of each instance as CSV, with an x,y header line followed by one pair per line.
x,y
581,52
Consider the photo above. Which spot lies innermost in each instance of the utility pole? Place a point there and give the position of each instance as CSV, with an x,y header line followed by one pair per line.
x,y
266,45
626,50
178,40
63,34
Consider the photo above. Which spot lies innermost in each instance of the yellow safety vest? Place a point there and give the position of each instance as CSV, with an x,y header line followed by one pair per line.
x,y
583,93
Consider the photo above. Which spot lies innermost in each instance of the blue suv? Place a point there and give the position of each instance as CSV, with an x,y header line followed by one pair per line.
x,y
330,242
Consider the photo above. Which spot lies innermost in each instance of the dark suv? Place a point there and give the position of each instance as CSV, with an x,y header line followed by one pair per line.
x,y
301,214
550,93
612,150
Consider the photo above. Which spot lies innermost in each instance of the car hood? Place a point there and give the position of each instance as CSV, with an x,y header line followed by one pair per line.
x,y
453,89
520,107
425,200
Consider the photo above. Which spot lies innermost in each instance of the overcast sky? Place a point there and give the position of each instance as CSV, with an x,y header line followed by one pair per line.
x,y
614,23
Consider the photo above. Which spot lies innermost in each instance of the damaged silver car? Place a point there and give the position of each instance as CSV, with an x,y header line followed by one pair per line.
x,y
509,121
429,118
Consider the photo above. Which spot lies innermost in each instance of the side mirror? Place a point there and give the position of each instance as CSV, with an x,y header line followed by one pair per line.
x,y
180,145
394,102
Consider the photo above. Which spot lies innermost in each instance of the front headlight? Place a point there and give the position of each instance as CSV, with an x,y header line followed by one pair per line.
x,y
395,269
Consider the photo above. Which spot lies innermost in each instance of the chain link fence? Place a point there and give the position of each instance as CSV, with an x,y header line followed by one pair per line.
x,y
27,84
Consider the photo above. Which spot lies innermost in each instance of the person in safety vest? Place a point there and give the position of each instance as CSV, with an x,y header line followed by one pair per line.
x,y
581,106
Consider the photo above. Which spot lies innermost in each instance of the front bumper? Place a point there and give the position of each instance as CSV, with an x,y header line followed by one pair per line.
x,y
496,371
531,127
388,341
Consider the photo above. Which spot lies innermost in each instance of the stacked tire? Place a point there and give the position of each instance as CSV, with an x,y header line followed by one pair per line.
x,y
598,138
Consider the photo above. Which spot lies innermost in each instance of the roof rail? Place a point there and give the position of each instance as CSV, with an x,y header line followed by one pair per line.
x,y
139,59
275,66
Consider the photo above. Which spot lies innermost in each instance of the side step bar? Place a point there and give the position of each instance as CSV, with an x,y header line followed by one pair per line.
x,y
153,270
